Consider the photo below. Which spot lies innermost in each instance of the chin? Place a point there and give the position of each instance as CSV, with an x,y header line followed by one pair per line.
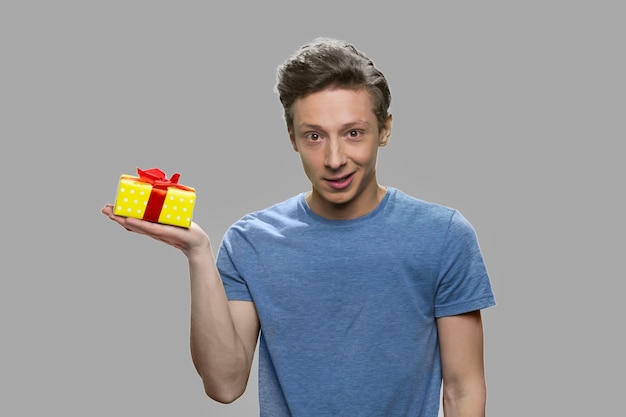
x,y
339,199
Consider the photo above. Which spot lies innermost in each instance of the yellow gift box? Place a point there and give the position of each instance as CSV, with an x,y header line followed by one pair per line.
x,y
153,197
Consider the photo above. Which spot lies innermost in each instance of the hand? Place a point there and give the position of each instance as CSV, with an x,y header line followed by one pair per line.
x,y
189,241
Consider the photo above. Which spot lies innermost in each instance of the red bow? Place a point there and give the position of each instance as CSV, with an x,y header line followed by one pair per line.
x,y
157,178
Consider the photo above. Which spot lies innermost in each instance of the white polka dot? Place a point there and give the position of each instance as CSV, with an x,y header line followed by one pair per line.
x,y
138,211
136,201
164,206
122,189
119,208
171,197
169,215
132,191
191,201
184,208
175,208
177,217
125,200
129,209
182,199
142,192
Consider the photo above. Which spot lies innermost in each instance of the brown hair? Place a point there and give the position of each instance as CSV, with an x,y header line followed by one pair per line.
x,y
330,63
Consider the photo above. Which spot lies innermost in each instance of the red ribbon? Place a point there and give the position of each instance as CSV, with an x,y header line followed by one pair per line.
x,y
157,178
160,184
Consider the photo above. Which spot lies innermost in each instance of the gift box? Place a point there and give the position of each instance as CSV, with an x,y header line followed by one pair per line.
x,y
153,197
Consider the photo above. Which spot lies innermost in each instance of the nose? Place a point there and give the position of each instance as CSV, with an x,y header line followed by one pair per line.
x,y
335,156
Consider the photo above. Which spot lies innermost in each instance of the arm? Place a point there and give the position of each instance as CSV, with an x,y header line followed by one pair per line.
x,y
223,362
223,333
462,362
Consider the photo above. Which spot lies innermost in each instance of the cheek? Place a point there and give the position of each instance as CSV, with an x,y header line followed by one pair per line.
x,y
365,155
311,158
308,162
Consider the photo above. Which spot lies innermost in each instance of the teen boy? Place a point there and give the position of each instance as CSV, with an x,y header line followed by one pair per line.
x,y
366,299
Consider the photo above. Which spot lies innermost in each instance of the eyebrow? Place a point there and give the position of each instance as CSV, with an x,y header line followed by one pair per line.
x,y
344,126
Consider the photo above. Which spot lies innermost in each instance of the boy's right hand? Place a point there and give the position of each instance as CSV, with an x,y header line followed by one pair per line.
x,y
190,241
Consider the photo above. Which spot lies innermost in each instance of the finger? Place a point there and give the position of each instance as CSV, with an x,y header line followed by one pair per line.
x,y
163,232
107,210
172,235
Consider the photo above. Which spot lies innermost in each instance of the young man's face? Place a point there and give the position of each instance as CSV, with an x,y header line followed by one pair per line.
x,y
336,133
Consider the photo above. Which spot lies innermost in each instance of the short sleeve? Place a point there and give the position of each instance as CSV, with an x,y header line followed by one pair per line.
x,y
227,256
463,282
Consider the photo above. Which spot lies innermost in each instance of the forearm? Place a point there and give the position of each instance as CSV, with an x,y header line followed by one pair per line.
x,y
220,354
217,350
464,400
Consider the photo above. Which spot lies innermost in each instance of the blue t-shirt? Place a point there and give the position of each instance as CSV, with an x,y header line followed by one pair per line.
x,y
348,307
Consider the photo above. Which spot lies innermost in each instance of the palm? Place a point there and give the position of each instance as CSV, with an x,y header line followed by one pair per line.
x,y
187,240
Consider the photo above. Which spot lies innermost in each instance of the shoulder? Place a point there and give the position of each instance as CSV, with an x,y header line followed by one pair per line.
x,y
418,209
275,217
427,217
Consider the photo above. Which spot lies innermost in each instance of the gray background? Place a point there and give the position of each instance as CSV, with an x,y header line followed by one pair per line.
x,y
511,112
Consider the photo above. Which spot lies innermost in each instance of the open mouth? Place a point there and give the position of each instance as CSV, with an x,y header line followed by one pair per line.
x,y
339,183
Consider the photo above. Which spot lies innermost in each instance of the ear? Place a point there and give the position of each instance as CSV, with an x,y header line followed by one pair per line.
x,y
385,132
292,138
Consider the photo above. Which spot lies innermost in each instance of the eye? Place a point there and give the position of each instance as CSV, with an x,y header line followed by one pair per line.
x,y
314,137
354,133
